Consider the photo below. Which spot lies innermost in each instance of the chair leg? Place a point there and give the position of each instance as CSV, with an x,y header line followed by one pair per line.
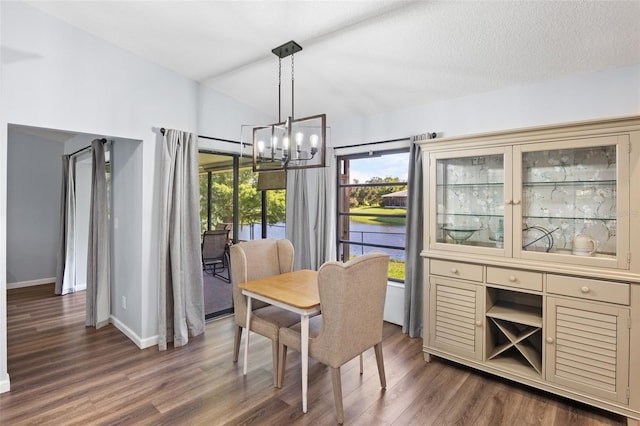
x,y
282,363
236,343
361,365
274,351
337,393
380,361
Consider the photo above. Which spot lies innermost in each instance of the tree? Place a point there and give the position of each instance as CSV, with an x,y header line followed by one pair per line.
x,y
250,199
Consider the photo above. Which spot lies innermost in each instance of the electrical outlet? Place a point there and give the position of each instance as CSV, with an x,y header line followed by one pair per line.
x,y
124,302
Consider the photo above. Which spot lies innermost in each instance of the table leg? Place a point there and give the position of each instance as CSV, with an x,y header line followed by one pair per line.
x,y
304,355
246,339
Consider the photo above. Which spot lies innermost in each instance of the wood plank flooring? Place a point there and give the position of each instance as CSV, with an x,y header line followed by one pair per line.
x,y
63,374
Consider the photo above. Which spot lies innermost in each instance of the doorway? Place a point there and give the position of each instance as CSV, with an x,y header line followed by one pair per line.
x,y
249,206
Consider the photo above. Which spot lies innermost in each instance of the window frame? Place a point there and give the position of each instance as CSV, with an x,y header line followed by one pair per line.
x,y
340,214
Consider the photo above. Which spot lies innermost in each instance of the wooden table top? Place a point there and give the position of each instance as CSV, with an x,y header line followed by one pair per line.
x,y
298,288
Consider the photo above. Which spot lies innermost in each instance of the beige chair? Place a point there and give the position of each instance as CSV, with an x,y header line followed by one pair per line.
x,y
251,260
352,298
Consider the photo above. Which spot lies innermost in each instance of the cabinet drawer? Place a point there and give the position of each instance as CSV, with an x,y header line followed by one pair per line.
x,y
586,288
465,271
515,278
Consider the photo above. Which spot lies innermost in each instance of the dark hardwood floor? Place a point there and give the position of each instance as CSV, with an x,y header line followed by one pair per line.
x,y
63,373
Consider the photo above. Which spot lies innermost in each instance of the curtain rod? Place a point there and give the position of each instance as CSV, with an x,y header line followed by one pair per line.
x,y
103,140
163,131
430,135
371,143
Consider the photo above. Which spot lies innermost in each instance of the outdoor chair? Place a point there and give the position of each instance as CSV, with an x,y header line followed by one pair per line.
x,y
215,256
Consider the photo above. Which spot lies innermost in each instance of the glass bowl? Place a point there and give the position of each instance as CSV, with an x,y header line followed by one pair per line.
x,y
460,235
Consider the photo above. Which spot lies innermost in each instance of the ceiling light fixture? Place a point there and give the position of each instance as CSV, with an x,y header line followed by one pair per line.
x,y
296,143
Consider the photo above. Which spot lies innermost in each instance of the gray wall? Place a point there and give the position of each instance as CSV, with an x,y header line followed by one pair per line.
x,y
34,174
126,221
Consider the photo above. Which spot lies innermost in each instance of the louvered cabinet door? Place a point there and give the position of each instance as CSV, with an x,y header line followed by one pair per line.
x,y
587,347
455,317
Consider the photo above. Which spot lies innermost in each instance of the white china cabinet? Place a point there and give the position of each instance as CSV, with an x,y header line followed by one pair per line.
x,y
532,253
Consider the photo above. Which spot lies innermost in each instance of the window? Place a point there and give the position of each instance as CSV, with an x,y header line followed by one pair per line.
x,y
372,209
254,203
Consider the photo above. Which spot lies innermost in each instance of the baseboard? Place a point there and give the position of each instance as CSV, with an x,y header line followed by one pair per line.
x,y
5,386
140,342
31,283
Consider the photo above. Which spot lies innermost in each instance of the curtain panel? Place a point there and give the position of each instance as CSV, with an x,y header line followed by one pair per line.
x,y
311,214
181,300
65,268
98,304
414,266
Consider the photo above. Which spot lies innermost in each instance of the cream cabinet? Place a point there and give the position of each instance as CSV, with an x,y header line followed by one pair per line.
x,y
533,272
457,320
531,200
587,347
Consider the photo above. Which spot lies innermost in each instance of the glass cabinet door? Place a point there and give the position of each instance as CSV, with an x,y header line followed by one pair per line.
x,y
468,193
570,199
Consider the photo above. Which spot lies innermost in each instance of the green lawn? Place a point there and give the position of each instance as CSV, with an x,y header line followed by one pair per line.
x,y
396,269
379,220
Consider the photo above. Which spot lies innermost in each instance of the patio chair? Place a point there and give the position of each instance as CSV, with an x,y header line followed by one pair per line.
x,y
215,255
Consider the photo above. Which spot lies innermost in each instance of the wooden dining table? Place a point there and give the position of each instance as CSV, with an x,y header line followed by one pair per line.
x,y
296,292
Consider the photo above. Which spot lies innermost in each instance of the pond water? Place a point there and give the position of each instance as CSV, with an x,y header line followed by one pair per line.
x,y
360,232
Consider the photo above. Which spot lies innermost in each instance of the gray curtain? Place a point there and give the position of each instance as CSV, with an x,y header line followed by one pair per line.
x,y
414,266
66,268
181,300
98,305
311,214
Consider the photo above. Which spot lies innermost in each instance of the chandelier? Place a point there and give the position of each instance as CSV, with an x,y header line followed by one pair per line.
x,y
295,143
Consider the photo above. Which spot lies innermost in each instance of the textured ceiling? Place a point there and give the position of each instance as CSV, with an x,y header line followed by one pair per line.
x,y
365,57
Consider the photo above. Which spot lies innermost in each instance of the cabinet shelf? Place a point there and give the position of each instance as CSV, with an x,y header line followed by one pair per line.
x,y
520,339
553,219
470,185
514,330
573,183
521,314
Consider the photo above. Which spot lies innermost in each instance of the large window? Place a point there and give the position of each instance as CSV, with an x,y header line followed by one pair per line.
x,y
256,214
372,207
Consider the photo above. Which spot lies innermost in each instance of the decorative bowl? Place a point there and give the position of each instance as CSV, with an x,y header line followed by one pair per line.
x,y
460,235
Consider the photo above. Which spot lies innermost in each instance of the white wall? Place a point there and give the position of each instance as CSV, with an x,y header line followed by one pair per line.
x,y
62,78
56,76
34,173
609,93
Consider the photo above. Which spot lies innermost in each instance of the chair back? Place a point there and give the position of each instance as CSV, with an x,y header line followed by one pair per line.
x,y
214,244
252,260
352,296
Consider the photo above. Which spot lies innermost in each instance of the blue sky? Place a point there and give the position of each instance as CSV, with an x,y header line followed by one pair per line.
x,y
394,165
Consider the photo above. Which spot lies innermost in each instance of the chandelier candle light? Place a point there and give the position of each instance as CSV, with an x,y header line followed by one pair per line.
x,y
296,143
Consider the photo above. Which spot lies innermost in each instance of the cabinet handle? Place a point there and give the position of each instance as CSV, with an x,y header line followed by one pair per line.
x,y
549,339
585,289
454,270
512,278
478,323
508,202
517,202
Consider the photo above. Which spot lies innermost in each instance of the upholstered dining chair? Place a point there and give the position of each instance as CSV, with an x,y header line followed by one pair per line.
x,y
251,260
352,298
